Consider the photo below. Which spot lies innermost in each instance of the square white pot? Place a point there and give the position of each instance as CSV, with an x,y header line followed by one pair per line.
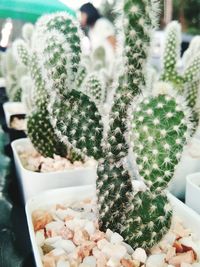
x,y
189,217
193,191
13,108
33,183
189,163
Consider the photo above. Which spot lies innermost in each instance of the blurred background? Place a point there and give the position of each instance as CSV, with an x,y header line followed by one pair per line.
x,y
14,13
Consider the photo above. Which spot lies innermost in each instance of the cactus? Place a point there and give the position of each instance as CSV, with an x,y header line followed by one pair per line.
x,y
121,207
169,117
39,128
13,73
141,215
171,55
187,82
192,51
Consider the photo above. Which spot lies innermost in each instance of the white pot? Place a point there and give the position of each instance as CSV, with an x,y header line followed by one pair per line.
x,y
13,108
33,183
190,218
193,191
189,163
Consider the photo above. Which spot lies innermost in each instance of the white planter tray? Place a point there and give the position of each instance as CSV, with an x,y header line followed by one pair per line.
x,y
193,191
13,108
33,183
190,218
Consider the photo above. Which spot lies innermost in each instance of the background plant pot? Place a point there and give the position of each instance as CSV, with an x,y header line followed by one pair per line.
x,y
48,198
13,108
15,133
189,163
33,183
193,191
3,99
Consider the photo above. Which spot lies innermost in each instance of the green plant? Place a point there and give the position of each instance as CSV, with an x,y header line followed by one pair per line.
x,y
186,82
13,73
142,215
39,128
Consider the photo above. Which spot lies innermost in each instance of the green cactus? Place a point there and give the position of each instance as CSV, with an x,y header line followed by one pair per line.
x,y
192,51
141,215
121,207
13,73
94,88
163,122
42,135
39,128
171,55
186,82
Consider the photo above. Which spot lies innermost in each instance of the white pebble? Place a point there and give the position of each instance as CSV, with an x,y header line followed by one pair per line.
x,y
67,245
113,262
40,238
115,251
52,240
62,263
185,265
102,243
140,255
58,252
116,238
90,228
157,260
90,261
128,248
54,226
109,233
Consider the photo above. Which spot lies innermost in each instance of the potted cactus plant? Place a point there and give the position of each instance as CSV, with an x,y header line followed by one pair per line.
x,y
14,73
44,161
137,146
186,82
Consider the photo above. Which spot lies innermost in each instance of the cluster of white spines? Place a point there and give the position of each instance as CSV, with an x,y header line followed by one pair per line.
x,y
172,51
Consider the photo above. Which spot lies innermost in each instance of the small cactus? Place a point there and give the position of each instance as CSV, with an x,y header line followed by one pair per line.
x,y
39,128
13,73
186,82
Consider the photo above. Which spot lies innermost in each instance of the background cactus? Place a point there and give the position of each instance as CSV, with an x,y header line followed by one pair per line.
x,y
187,80
39,128
12,73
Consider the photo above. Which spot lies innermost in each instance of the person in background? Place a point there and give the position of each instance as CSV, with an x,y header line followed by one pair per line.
x,y
101,32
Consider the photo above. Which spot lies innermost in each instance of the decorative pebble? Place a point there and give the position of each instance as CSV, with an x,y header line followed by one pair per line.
x,y
140,255
68,235
157,260
90,261
116,238
113,262
67,245
62,263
